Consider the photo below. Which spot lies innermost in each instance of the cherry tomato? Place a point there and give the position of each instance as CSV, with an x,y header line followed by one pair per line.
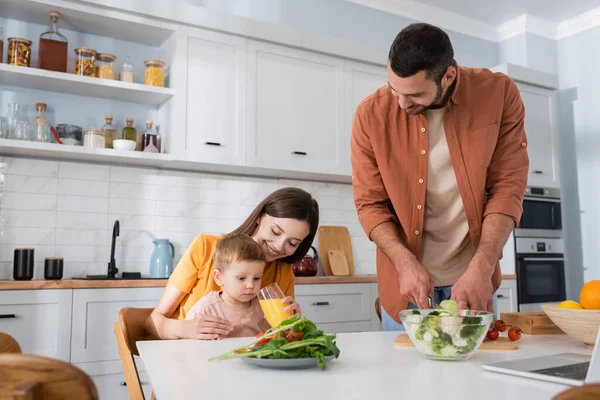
x,y
514,334
500,325
493,334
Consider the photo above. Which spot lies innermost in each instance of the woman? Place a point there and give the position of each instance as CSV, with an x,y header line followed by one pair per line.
x,y
284,224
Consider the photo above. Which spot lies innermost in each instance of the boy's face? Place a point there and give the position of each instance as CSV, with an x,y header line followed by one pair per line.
x,y
241,280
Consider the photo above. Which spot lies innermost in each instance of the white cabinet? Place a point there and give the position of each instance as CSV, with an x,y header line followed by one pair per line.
x,y
506,297
360,81
40,320
95,312
216,98
541,130
295,109
110,381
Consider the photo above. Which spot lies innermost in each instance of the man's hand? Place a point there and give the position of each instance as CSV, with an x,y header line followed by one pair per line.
x,y
474,290
415,283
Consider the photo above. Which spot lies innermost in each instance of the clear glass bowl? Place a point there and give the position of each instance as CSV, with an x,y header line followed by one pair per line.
x,y
445,337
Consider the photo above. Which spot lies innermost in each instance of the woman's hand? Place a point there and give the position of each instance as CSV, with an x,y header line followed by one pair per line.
x,y
207,327
293,306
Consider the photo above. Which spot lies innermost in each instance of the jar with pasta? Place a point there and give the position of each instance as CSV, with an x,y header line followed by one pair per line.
x,y
104,65
19,51
155,75
85,61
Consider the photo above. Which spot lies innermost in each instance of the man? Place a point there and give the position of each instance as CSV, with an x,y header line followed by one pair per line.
x,y
440,164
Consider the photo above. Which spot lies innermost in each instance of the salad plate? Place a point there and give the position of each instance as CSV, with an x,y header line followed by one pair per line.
x,y
285,363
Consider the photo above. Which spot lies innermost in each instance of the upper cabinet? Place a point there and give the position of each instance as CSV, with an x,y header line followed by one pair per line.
x,y
216,98
360,81
295,109
541,130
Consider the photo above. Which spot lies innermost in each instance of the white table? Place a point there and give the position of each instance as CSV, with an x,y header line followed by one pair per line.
x,y
369,367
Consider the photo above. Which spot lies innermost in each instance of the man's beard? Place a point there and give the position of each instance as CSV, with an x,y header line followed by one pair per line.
x,y
432,105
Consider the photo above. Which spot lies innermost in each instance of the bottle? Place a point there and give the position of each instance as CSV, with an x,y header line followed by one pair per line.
x,y
110,133
1,46
127,71
53,49
129,132
42,129
150,139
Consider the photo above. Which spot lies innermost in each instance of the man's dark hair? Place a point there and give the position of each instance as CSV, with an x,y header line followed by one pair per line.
x,y
421,47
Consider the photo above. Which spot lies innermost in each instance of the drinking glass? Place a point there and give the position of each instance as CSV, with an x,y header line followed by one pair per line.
x,y
270,298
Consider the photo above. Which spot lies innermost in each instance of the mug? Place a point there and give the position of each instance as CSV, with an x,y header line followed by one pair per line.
x,y
23,264
53,268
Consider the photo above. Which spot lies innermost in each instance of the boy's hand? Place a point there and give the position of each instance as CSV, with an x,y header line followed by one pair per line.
x,y
293,306
208,327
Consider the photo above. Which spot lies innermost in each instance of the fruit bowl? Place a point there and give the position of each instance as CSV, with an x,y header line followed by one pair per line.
x,y
446,337
582,325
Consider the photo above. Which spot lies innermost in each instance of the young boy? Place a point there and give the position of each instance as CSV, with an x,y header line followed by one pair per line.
x,y
239,264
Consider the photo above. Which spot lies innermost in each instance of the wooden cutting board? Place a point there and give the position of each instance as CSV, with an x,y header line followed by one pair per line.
x,y
338,263
335,238
502,343
531,323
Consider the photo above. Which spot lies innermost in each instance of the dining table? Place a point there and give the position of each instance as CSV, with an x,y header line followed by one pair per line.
x,y
369,367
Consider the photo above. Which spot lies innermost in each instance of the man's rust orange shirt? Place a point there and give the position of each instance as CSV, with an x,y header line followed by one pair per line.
x,y
484,125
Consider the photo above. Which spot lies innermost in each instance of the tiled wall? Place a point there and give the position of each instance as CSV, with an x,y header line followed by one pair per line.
x,y
67,210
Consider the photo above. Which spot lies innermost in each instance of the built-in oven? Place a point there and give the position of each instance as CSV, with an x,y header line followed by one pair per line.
x,y
540,267
542,217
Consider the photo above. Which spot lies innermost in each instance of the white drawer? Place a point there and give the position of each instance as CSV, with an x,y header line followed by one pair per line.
x,y
113,386
95,312
334,303
41,322
506,297
345,327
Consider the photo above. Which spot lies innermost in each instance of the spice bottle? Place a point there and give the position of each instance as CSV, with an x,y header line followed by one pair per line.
x,y
150,139
53,49
129,132
127,71
42,129
110,133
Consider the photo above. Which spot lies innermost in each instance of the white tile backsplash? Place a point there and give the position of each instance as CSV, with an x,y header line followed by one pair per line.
x,y
67,209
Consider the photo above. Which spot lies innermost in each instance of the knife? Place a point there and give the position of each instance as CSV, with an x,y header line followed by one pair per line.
x,y
432,303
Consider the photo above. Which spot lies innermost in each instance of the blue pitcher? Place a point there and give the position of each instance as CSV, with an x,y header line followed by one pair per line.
x,y
161,261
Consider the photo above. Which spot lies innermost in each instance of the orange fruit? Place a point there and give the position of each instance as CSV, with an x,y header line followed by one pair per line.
x,y
589,297
570,304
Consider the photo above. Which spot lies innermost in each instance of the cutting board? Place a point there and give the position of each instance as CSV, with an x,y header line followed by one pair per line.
x,y
502,343
335,238
338,263
531,323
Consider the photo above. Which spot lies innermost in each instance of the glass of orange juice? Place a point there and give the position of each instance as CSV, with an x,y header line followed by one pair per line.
x,y
270,298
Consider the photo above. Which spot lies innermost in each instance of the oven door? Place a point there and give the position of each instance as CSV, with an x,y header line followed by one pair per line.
x,y
540,279
540,218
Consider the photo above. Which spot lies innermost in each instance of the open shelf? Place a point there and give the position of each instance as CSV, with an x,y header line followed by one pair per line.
x,y
40,79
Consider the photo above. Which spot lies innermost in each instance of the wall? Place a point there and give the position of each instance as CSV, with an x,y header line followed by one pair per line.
x,y
579,64
68,210
529,50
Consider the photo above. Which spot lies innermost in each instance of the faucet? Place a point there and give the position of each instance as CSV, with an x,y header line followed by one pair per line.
x,y
112,269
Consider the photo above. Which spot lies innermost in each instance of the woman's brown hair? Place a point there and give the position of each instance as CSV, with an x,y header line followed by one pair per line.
x,y
291,203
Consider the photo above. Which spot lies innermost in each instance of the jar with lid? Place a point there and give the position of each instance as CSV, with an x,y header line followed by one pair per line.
x,y
42,129
110,133
94,138
127,73
19,51
53,49
154,75
85,61
129,132
150,142
104,66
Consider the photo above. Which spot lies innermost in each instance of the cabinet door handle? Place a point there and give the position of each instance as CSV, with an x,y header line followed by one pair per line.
x,y
299,153
6,316
125,383
500,296
538,172
212,143
320,303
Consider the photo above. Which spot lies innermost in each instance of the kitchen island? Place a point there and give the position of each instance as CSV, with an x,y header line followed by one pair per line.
x,y
369,367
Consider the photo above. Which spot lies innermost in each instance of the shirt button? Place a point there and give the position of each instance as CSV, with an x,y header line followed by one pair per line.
x,y
417,232
523,144
419,206
421,181
422,129
423,152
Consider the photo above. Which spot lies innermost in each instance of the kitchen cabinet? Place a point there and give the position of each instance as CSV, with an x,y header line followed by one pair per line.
x,y
541,130
508,262
506,297
295,109
360,81
216,98
40,320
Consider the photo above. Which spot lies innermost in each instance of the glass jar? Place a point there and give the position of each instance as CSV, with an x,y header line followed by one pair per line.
x,y
53,49
42,129
18,126
1,46
19,51
155,75
104,66
85,61
127,71
94,138
110,133
129,132
150,142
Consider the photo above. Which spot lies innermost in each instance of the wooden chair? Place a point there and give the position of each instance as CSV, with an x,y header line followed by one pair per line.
x,y
585,392
30,377
130,329
378,308
8,344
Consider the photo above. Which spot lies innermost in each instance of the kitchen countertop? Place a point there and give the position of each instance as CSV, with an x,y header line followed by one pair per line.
x,y
369,367
145,283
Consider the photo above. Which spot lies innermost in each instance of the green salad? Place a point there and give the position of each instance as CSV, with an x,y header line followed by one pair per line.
x,y
446,332
296,337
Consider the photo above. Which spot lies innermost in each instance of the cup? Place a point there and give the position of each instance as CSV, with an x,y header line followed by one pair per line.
x,y
23,264
53,268
270,298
